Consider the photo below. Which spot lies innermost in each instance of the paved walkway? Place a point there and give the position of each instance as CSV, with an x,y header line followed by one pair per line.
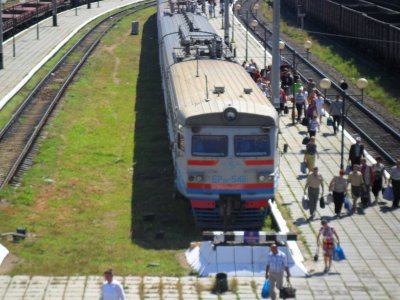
x,y
31,53
370,240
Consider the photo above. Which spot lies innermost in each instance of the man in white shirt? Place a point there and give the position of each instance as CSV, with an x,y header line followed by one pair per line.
x,y
112,289
276,265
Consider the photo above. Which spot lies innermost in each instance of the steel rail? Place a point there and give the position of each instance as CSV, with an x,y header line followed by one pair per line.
x,y
113,18
354,101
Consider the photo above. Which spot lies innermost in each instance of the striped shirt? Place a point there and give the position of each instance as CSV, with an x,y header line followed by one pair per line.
x,y
277,262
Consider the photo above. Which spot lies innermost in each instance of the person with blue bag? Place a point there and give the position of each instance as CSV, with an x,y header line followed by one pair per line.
x,y
328,243
276,266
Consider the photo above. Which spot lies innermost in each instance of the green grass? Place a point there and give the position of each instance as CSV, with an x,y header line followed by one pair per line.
x,y
107,152
378,88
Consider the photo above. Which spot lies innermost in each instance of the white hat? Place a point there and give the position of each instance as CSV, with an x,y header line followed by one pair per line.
x,y
358,139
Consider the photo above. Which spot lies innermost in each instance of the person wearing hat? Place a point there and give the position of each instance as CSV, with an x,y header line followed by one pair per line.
x,y
328,243
112,289
356,152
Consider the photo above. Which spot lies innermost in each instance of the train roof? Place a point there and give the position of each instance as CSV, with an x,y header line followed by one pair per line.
x,y
239,92
186,39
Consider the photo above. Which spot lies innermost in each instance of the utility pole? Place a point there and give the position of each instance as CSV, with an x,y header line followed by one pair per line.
x,y
37,19
54,7
276,58
1,36
226,27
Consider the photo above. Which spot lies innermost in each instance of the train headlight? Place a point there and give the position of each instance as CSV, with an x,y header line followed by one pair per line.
x,y
270,178
191,178
261,178
199,178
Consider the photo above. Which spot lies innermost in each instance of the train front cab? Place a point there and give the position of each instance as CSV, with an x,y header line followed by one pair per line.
x,y
229,174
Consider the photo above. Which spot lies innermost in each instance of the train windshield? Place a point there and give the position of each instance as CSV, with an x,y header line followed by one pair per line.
x,y
210,145
252,145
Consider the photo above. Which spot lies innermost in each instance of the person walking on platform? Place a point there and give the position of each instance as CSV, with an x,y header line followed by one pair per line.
x,y
356,181
319,102
314,181
328,243
338,187
356,152
311,153
336,112
377,185
313,126
300,101
395,181
368,177
112,289
276,265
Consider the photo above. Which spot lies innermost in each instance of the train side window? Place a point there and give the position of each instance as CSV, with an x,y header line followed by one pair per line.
x,y
181,142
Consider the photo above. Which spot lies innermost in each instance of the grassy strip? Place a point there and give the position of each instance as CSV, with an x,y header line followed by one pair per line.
x,y
343,64
107,154
15,102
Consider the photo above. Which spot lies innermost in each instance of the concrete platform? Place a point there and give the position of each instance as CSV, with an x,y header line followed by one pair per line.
x,y
31,53
369,238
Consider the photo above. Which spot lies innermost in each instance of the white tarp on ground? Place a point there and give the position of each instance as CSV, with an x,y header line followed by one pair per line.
x,y
3,253
238,260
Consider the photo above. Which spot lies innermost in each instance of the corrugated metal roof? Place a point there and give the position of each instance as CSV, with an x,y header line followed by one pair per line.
x,y
190,91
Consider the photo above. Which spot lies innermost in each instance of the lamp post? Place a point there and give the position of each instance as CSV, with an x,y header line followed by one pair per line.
x,y
253,24
88,4
325,84
236,8
276,59
362,83
282,46
256,7
1,36
247,35
226,20
37,19
265,45
344,86
307,45
54,11
13,33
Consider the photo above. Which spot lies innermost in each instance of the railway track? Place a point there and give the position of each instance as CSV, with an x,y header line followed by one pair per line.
x,y
19,135
391,4
382,138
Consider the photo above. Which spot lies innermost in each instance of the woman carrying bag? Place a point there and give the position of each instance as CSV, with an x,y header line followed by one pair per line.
x,y
338,187
328,243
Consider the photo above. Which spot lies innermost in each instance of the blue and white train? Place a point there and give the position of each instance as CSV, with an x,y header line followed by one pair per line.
x,y
223,130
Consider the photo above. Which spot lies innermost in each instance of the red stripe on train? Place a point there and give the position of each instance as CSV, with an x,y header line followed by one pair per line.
x,y
208,186
192,162
203,204
259,162
255,204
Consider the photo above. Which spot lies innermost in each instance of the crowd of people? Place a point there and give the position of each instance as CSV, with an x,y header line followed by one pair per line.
x,y
308,109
